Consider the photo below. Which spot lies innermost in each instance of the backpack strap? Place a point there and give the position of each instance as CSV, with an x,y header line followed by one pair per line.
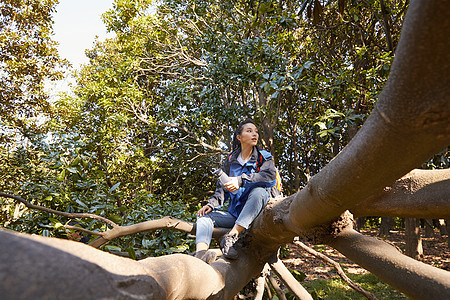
x,y
259,161
227,166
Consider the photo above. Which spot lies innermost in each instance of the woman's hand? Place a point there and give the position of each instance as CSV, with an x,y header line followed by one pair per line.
x,y
232,185
204,210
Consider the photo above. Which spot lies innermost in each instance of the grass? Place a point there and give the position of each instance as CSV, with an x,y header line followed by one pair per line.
x,y
337,289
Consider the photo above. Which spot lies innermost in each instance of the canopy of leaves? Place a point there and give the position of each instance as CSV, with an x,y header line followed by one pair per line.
x,y
28,57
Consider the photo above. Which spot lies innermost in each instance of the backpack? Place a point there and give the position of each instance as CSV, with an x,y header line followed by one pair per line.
x,y
277,190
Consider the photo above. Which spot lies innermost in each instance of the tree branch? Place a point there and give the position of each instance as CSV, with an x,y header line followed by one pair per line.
x,y
260,283
408,125
419,194
60,213
167,222
195,137
289,280
277,287
414,278
102,275
84,230
387,29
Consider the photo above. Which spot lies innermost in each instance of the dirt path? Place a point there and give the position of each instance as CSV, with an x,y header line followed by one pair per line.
x,y
436,253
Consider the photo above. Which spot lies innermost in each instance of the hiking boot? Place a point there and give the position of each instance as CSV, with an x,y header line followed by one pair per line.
x,y
226,245
208,256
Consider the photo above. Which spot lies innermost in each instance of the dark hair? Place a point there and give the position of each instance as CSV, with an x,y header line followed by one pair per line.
x,y
235,144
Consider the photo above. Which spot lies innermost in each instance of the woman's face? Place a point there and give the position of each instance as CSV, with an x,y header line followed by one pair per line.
x,y
249,135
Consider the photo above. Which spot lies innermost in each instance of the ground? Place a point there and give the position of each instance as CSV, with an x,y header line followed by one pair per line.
x,y
436,253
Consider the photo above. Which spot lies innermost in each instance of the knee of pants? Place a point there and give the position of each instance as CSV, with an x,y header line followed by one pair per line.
x,y
259,194
204,221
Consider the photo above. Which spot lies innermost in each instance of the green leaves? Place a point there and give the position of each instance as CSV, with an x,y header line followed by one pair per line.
x,y
28,58
114,187
298,275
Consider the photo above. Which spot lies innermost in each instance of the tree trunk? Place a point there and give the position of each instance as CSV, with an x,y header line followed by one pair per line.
x,y
442,228
429,228
386,226
360,223
413,240
447,223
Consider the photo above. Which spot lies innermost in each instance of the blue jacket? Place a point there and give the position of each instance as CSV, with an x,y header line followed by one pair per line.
x,y
248,177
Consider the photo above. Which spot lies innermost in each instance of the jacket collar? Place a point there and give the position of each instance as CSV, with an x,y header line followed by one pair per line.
x,y
236,153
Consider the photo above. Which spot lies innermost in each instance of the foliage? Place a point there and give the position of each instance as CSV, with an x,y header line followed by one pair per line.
x,y
66,179
28,57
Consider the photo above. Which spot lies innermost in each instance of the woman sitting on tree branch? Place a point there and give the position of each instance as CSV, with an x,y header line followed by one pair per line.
x,y
248,178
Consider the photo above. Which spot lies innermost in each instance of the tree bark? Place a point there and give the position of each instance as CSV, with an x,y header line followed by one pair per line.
x,y
101,275
387,224
413,241
429,228
420,194
260,283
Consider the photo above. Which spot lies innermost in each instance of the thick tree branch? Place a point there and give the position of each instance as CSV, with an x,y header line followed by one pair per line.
x,y
419,194
414,278
102,275
408,125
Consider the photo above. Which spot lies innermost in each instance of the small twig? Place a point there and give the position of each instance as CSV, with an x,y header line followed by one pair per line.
x,y
84,230
269,292
277,288
338,268
57,212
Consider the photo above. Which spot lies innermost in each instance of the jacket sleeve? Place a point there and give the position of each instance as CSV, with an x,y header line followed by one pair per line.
x,y
220,195
217,200
266,177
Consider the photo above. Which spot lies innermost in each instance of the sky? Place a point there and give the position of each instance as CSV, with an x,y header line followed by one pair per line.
x,y
77,22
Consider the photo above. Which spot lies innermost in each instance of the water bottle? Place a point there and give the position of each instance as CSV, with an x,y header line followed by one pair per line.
x,y
223,178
